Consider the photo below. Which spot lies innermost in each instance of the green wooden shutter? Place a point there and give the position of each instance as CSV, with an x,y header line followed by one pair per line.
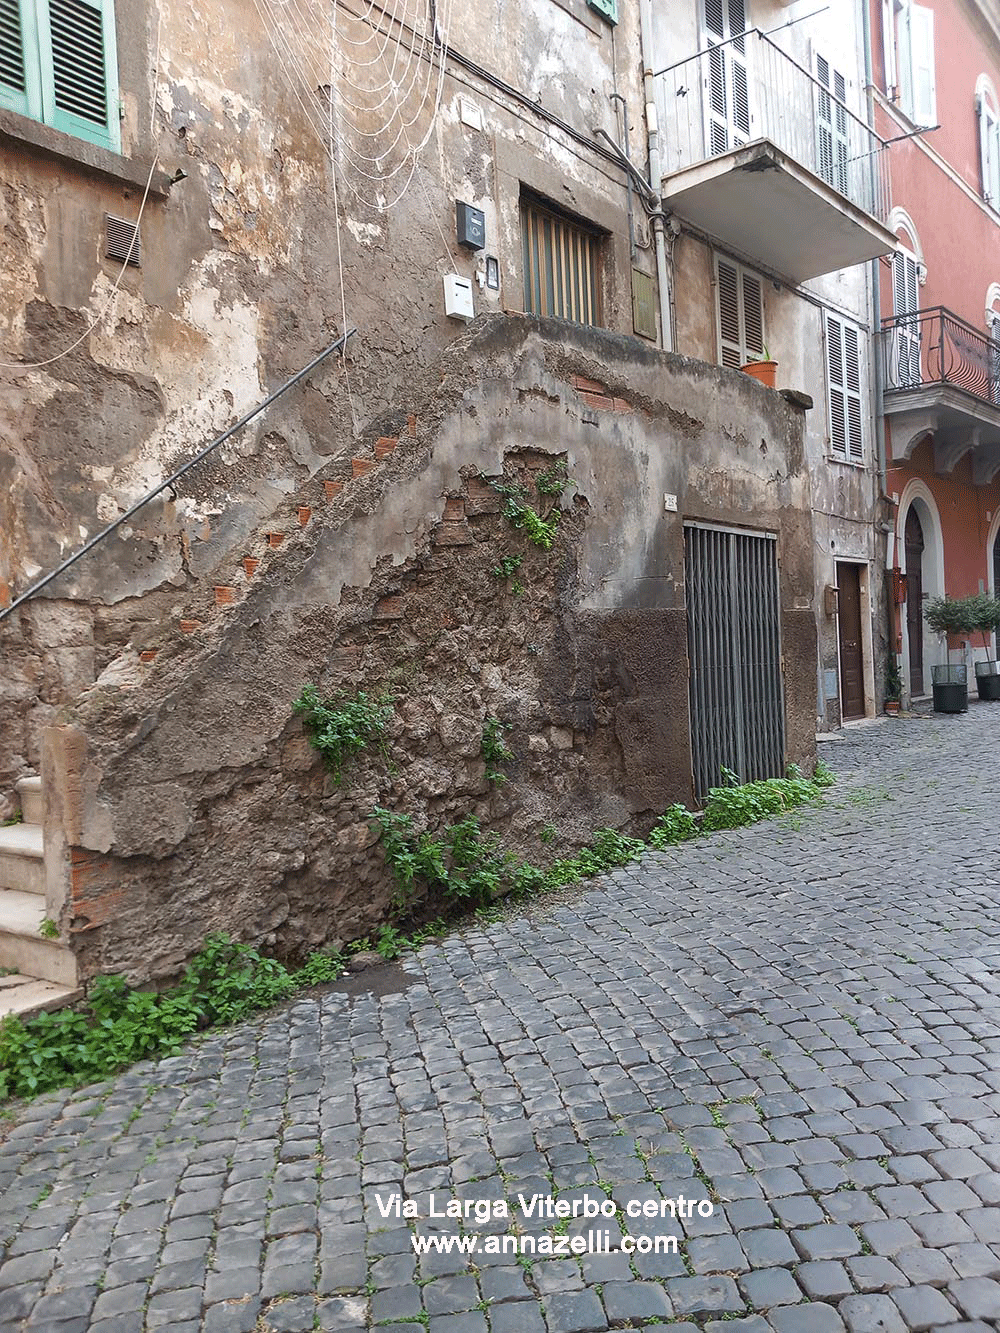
x,y
80,74
16,69
608,9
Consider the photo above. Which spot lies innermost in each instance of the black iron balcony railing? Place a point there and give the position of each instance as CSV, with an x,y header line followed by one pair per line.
x,y
934,346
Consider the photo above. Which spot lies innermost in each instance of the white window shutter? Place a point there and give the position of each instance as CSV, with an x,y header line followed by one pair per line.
x,y
753,316
730,342
741,314
922,55
904,57
835,386
852,394
889,44
989,151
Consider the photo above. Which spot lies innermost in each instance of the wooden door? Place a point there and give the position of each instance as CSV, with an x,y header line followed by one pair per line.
x,y
852,673
914,600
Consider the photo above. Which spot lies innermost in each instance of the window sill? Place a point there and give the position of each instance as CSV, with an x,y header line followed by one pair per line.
x,y
47,142
858,465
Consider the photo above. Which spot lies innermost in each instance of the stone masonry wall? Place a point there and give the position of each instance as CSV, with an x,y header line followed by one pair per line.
x,y
184,795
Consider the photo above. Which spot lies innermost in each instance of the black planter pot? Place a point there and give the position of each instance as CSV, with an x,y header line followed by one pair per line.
x,y
950,688
988,681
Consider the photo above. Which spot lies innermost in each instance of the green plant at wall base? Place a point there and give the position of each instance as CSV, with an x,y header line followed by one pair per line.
x,y
116,1025
339,727
736,803
893,684
675,825
48,929
823,776
16,818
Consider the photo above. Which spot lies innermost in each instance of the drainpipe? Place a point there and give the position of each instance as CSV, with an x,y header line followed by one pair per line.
x,y
866,27
655,175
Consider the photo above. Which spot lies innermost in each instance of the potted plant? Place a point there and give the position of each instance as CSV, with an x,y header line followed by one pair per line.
x,y
893,686
984,613
947,616
765,372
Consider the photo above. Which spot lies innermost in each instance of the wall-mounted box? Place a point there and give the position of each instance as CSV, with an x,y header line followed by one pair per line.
x,y
471,224
458,297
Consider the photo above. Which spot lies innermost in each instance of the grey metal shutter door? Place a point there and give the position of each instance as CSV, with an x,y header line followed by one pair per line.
x,y
736,698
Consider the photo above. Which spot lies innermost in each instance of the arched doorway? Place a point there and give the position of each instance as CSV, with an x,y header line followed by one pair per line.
x,y
914,537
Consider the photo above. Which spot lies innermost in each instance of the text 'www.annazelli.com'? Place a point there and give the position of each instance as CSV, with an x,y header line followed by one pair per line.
x,y
599,1239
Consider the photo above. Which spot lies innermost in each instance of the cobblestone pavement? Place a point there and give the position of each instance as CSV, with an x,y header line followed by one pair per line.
x,y
798,1021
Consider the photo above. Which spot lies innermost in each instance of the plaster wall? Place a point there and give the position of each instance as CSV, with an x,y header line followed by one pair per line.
x,y
250,265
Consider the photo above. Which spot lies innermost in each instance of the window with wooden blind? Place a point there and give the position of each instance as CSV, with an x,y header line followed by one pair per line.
x,y
740,313
843,366
562,266
58,65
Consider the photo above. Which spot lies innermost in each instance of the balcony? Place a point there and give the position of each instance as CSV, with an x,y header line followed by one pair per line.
x,y
941,377
763,157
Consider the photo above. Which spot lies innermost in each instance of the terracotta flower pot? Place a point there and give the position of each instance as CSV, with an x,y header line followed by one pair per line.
x,y
764,371
892,707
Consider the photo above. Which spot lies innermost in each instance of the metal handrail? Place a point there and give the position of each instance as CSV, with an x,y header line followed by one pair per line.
x,y
173,478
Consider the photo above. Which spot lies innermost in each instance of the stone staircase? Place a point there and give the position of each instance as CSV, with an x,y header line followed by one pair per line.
x,y
36,972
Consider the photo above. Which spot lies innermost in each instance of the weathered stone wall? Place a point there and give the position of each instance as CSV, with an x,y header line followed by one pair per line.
x,y
250,265
184,796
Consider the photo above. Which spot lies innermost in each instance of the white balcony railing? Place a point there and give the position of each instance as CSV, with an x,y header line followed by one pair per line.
x,y
747,89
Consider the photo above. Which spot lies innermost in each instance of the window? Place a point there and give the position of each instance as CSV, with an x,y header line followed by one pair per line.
x,y
741,314
989,142
831,125
561,266
908,32
727,97
843,375
905,363
58,65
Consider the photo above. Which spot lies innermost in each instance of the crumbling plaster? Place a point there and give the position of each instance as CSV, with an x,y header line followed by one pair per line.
x,y
191,802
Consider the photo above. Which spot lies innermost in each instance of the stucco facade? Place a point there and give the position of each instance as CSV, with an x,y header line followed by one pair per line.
x,y
941,423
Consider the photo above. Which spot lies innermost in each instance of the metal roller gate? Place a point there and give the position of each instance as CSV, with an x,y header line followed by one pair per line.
x,y
736,698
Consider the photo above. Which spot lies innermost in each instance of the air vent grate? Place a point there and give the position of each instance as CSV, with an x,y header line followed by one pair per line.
x,y
121,240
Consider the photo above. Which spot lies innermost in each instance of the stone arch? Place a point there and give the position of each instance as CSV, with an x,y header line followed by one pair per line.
x,y
917,496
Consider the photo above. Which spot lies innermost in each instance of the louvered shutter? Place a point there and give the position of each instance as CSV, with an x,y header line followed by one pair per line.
x,y
835,378
753,316
606,8
79,82
726,90
15,68
906,331
993,324
58,65
989,151
843,351
852,393
741,314
831,125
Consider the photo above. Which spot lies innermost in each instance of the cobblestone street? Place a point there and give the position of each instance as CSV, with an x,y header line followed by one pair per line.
x,y
799,1021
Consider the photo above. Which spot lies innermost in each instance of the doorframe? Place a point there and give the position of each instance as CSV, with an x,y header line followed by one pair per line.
x,y
867,638
918,493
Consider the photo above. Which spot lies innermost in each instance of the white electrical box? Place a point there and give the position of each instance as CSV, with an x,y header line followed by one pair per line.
x,y
458,297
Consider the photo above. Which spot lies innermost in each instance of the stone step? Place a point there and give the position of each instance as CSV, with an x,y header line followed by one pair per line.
x,y
29,995
29,791
21,864
24,949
